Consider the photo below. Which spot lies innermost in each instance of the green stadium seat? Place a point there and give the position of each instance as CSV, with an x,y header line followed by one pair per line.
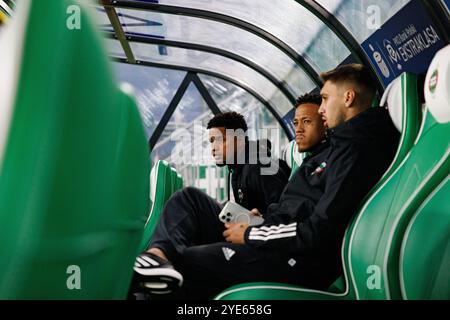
x,y
164,182
424,267
360,243
73,161
179,184
293,157
425,253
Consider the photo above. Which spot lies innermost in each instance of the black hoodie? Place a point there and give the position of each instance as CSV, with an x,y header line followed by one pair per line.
x,y
316,206
254,183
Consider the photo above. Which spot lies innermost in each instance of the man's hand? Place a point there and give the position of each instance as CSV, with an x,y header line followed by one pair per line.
x,y
235,232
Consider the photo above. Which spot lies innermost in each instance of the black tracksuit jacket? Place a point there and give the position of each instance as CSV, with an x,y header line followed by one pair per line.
x,y
316,206
251,187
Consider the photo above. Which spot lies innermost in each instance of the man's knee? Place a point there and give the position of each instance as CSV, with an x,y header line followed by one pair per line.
x,y
191,191
183,194
195,195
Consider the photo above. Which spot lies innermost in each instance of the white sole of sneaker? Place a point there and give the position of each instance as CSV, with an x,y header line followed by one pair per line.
x,y
161,272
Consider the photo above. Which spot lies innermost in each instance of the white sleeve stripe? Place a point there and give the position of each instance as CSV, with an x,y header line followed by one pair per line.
x,y
276,227
266,233
273,237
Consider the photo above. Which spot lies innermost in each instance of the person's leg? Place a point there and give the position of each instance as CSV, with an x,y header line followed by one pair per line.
x,y
190,217
209,269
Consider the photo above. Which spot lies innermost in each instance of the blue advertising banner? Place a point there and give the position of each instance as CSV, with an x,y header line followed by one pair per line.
x,y
407,42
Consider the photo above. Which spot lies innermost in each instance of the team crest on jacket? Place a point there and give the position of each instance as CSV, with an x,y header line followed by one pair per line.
x,y
320,169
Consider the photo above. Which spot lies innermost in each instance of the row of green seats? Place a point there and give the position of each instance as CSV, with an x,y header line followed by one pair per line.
x,y
374,241
425,249
164,182
74,160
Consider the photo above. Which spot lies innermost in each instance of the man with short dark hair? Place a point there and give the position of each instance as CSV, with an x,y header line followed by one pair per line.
x,y
347,91
246,161
301,237
190,216
309,127
309,130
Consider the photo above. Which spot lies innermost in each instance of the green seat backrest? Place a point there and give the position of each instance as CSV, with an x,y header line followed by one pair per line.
x,y
174,180
159,188
179,184
405,105
293,157
425,254
375,240
73,193
164,182
402,100
424,266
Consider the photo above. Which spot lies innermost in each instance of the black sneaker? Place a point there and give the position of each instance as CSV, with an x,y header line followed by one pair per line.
x,y
156,275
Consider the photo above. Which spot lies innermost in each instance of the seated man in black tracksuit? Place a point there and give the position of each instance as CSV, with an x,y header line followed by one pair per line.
x,y
191,217
300,240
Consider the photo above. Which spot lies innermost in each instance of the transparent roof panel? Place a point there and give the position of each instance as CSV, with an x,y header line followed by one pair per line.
x,y
154,90
228,96
214,63
288,21
102,18
216,35
191,113
262,125
184,142
360,16
114,48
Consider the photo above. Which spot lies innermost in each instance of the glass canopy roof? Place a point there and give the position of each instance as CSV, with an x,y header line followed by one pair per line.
x,y
212,34
269,50
288,21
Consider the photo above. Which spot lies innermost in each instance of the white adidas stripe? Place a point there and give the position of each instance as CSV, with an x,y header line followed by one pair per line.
x,y
274,236
268,233
273,232
276,227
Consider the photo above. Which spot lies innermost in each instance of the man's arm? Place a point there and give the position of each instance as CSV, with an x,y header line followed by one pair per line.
x,y
349,179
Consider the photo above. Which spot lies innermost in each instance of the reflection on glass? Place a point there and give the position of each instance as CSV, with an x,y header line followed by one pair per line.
x,y
154,90
361,17
217,35
102,18
214,63
288,21
114,48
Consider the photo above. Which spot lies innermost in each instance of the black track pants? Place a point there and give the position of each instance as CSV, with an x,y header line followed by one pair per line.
x,y
190,233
